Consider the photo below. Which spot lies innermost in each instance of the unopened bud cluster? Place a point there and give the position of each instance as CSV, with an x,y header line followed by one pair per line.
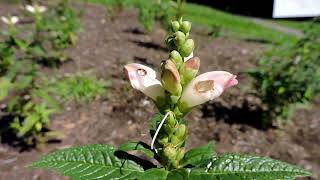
x,y
175,73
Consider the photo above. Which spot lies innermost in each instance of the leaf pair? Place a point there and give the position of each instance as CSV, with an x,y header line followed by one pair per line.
x,y
101,162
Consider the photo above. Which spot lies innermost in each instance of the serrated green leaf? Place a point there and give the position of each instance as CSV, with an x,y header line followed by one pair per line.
x,y
137,146
90,162
198,156
244,167
154,174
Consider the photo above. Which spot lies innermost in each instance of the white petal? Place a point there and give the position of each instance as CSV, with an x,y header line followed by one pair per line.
x,y
144,79
30,8
189,57
14,19
207,86
5,20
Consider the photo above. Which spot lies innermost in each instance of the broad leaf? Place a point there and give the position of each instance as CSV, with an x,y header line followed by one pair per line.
x,y
137,146
200,155
154,174
89,162
244,167
178,174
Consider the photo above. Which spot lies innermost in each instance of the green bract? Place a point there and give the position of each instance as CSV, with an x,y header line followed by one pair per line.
x,y
178,90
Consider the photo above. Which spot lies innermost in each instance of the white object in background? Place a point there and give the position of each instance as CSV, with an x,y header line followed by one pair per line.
x,y
296,8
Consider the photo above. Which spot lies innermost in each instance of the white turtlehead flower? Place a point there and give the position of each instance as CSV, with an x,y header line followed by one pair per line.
x,y
206,87
10,20
144,79
36,8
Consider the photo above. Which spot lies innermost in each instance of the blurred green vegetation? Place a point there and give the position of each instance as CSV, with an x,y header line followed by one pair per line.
x,y
287,76
234,25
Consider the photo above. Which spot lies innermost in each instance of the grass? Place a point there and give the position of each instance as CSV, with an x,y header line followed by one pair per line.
x,y
236,26
239,26
78,87
299,25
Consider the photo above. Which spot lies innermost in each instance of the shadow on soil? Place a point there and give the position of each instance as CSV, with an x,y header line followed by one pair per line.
x,y
149,45
135,31
8,137
248,114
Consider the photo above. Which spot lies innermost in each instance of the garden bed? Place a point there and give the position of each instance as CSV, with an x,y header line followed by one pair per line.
x,y
233,120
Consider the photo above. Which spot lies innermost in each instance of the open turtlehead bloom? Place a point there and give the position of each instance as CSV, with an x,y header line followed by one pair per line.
x,y
11,20
145,80
207,86
36,8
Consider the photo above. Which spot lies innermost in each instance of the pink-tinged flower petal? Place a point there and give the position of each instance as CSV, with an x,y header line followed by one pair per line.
x,y
144,79
207,86
42,9
189,57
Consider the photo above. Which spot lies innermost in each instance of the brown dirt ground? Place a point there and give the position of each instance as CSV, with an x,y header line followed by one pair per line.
x,y
105,46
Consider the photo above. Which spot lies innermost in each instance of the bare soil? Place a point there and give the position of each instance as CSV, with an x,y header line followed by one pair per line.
x,y
233,121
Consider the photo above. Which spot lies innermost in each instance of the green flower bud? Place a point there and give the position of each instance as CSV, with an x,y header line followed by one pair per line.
x,y
175,140
171,120
170,78
175,26
187,48
181,131
174,99
185,27
190,69
168,129
164,140
170,153
187,35
180,154
176,58
180,38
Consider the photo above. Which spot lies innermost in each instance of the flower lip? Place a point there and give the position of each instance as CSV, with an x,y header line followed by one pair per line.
x,y
231,82
144,79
